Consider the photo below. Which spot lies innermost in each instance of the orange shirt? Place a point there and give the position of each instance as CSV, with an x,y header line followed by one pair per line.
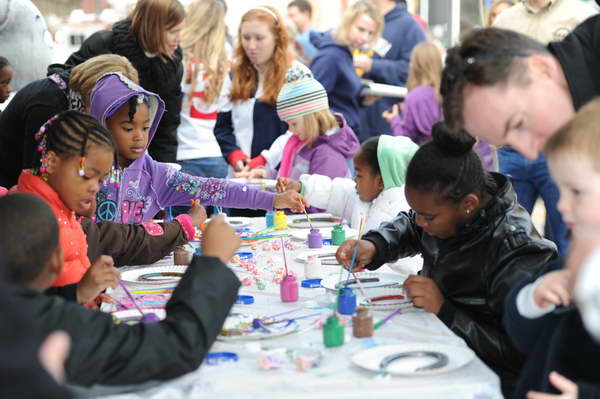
x,y
72,238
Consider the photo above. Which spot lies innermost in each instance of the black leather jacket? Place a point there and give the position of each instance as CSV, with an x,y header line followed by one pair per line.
x,y
474,270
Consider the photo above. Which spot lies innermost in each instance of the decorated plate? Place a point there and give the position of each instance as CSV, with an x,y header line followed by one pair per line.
x,y
153,275
318,220
368,280
418,357
132,316
236,221
383,298
239,327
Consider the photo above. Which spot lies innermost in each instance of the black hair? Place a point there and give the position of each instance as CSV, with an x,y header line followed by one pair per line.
x,y
28,236
303,5
447,165
133,104
3,62
71,133
485,57
368,153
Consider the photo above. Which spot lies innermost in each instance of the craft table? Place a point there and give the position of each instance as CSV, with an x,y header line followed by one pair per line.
x,y
337,377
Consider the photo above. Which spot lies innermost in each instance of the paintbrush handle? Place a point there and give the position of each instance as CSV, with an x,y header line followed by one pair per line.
x,y
292,319
387,318
130,297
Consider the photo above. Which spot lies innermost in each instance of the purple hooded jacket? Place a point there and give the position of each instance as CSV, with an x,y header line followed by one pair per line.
x,y
147,186
328,155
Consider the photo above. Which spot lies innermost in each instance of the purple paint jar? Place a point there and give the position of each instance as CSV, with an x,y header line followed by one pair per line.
x,y
315,239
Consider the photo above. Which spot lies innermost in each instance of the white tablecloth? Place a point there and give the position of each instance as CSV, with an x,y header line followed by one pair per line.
x,y
337,376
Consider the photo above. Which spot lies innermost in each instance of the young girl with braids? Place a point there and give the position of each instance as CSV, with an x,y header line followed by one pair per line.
x,y
76,154
138,186
476,241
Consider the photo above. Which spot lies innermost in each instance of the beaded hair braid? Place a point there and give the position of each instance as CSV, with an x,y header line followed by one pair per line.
x,y
69,134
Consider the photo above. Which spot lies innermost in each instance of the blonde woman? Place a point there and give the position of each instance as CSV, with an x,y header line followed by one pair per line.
x,y
206,63
149,38
333,66
40,100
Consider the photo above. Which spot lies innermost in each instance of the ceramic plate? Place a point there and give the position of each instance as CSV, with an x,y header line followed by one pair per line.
x,y
370,359
238,327
325,254
369,280
318,220
132,316
383,298
302,235
263,184
153,275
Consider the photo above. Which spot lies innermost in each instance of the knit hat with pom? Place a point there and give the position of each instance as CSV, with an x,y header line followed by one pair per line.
x,y
301,95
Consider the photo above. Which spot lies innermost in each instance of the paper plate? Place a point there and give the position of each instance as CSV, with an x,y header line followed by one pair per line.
x,y
369,280
263,184
132,316
325,254
302,234
370,359
153,275
318,220
383,298
238,327
236,221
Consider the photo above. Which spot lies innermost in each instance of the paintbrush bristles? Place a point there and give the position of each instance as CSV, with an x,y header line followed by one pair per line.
x,y
308,217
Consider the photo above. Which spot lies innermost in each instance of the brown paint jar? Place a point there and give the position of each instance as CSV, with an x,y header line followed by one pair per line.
x,y
362,323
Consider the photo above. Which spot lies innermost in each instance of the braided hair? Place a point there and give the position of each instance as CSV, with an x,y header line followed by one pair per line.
x,y
448,165
71,133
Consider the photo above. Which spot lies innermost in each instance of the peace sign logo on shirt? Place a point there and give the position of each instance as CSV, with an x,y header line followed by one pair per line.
x,y
107,211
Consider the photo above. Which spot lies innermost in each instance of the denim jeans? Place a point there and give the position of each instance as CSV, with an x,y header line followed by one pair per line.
x,y
205,167
531,179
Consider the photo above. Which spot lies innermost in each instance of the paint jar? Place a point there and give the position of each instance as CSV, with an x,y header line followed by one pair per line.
x,y
312,268
333,332
315,239
181,256
288,288
362,323
270,221
346,301
280,220
338,235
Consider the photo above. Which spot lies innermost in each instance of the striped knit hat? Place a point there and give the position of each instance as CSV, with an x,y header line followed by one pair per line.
x,y
301,95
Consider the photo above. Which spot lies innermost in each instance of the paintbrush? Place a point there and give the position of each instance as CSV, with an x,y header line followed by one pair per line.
x,y
284,258
268,323
360,288
146,317
386,318
307,217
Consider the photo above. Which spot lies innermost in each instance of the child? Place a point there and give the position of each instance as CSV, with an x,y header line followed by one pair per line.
x,y
321,142
539,318
103,352
377,192
476,242
138,187
422,108
6,74
77,153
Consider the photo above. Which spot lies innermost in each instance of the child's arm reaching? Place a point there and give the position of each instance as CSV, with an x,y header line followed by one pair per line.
x,y
545,294
335,196
176,188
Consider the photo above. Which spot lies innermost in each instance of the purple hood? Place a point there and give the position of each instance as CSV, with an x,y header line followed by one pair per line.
x,y
113,90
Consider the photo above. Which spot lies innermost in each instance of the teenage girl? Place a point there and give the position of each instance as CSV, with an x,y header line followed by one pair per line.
x,y
476,242
247,122
138,186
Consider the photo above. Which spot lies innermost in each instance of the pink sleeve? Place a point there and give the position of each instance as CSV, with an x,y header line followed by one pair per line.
x,y
185,221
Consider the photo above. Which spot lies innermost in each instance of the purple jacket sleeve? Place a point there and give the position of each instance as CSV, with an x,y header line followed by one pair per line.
x,y
421,112
180,188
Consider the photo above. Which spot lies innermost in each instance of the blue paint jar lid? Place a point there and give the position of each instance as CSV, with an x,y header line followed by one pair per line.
x,y
245,255
311,283
215,358
244,300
